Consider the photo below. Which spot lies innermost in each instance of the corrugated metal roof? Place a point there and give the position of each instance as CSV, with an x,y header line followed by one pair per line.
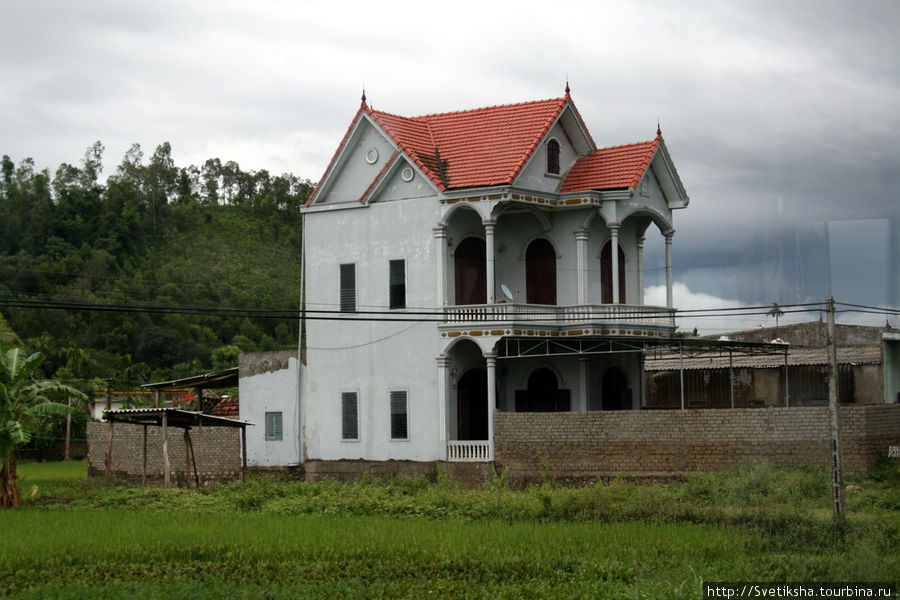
x,y
855,355
175,417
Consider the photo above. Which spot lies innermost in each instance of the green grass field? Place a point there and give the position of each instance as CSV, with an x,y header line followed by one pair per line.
x,y
414,539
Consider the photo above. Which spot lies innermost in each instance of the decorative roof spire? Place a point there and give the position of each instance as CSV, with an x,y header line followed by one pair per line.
x,y
658,129
567,85
364,96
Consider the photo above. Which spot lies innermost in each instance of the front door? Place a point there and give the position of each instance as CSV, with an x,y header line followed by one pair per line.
x,y
472,405
616,393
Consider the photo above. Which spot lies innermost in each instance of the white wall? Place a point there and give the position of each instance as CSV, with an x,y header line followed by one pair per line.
x,y
262,391
369,357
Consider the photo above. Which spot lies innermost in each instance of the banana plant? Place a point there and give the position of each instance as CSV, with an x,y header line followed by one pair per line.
x,y
23,398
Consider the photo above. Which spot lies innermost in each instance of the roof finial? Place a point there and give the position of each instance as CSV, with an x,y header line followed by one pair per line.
x,y
658,129
567,85
364,95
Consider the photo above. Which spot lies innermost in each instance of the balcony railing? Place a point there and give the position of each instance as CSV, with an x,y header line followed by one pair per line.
x,y
631,314
468,451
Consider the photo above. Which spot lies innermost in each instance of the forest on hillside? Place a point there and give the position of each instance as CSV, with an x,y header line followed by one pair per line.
x,y
152,233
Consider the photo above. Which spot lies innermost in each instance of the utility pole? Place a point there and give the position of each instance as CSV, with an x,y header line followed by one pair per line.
x,y
837,468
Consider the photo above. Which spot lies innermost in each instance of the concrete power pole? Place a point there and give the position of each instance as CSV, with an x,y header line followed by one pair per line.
x,y
837,468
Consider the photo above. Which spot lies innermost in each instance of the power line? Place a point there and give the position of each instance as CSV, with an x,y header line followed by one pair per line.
x,y
434,315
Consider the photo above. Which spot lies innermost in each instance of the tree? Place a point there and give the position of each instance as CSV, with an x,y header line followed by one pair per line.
x,y
775,312
22,399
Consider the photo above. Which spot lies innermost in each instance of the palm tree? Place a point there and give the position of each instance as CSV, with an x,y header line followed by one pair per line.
x,y
775,312
22,400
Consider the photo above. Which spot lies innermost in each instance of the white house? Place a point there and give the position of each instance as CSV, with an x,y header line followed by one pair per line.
x,y
463,262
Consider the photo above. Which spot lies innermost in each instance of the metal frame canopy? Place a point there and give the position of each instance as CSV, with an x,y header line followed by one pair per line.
x,y
520,347
173,417
650,349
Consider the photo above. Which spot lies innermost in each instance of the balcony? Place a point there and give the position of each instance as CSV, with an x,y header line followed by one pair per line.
x,y
605,318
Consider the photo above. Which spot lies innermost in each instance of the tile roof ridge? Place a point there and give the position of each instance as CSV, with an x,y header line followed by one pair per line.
x,y
561,100
631,145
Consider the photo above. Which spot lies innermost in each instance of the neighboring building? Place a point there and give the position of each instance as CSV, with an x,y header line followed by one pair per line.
x,y
482,259
868,370
268,383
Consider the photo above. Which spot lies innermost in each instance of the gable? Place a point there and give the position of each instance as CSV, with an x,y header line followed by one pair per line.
x,y
358,162
623,168
570,134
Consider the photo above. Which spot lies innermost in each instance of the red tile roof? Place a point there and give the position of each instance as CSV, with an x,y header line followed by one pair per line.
x,y
226,407
480,147
617,167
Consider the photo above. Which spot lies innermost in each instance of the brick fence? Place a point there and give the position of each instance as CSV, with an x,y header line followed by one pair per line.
x,y
217,449
588,445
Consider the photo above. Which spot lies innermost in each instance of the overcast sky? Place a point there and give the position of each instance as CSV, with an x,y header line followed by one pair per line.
x,y
781,117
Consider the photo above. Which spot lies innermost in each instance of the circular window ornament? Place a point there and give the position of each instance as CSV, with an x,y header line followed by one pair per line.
x,y
406,174
372,156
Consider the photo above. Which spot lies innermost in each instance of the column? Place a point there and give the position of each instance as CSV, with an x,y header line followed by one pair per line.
x,y
581,240
614,255
582,383
489,255
443,361
491,360
640,269
440,257
669,235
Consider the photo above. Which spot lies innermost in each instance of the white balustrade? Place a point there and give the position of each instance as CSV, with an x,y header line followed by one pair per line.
x,y
468,451
632,314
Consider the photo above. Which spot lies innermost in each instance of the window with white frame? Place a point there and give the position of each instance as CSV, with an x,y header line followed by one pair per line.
x,y
348,287
274,427
349,416
397,284
399,415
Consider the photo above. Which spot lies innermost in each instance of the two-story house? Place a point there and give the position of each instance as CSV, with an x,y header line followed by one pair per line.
x,y
466,262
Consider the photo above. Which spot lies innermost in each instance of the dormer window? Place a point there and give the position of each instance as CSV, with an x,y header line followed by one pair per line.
x,y
553,157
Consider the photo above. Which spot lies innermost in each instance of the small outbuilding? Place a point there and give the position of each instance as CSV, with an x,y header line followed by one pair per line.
x,y
138,444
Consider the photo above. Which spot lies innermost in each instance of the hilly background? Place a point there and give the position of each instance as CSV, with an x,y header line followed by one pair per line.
x,y
152,233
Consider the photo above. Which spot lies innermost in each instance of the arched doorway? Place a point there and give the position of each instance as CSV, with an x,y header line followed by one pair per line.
x,y
472,405
470,266
606,276
616,393
543,394
540,273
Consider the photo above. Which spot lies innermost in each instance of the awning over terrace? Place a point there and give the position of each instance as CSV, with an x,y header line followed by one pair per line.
x,y
671,351
173,417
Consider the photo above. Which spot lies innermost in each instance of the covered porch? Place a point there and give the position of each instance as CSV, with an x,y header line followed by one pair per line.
x,y
481,375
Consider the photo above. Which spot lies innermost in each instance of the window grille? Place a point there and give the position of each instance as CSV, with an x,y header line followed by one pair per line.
x,y
348,287
397,284
274,427
349,416
399,416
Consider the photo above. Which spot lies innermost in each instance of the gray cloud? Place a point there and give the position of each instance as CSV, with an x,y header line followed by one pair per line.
x,y
780,116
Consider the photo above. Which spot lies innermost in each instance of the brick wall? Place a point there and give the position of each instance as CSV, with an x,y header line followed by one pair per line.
x,y
217,450
666,442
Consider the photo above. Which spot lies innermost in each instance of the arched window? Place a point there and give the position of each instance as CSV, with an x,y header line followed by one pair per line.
x,y
543,394
553,157
540,273
606,280
470,265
